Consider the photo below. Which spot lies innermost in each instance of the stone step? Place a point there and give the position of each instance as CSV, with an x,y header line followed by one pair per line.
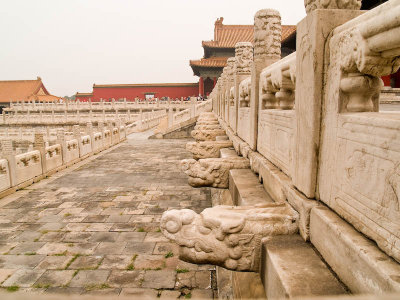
x,y
358,262
291,268
228,153
245,188
247,285
222,138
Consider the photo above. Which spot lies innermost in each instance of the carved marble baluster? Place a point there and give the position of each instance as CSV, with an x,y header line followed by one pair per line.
x,y
269,100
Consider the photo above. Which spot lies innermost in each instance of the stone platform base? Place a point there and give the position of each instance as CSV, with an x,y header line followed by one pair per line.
x,y
359,263
292,268
179,131
328,259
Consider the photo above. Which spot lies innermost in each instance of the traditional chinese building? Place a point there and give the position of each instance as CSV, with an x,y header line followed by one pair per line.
x,y
24,90
142,91
218,50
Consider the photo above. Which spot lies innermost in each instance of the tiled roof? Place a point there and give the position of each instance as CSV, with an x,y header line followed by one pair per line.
x,y
16,90
45,98
216,62
83,94
226,36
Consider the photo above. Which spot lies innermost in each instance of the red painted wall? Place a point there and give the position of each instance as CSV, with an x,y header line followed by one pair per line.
x,y
130,93
83,99
208,86
394,77
386,80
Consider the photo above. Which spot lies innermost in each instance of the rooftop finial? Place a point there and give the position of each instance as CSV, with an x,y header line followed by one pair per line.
x,y
219,21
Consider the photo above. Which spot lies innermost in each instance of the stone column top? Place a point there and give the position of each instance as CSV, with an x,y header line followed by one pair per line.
x,y
312,5
267,34
243,57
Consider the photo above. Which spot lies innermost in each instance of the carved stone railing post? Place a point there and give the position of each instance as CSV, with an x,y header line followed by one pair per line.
x,y
243,64
312,32
7,152
110,127
220,104
267,50
77,135
100,126
229,83
62,141
223,89
89,131
39,144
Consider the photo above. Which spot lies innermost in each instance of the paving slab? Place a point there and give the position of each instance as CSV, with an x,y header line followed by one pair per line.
x,y
54,278
125,278
163,279
90,278
23,278
94,229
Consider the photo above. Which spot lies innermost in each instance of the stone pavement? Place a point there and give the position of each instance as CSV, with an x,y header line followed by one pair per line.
x,y
95,229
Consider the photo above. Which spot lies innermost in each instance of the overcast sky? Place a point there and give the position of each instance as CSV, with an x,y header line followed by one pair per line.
x,y
72,44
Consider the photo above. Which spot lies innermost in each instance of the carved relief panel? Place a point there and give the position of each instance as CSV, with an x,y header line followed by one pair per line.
x,y
360,153
275,137
366,188
244,109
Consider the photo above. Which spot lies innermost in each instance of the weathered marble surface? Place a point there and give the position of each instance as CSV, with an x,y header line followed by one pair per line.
x,y
227,236
207,126
207,135
312,5
359,157
212,172
207,149
207,122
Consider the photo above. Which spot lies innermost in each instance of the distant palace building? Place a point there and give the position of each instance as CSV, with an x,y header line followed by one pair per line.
x,y
129,92
209,68
26,90
217,51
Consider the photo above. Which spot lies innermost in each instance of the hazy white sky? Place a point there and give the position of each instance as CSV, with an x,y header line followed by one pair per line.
x,y
72,44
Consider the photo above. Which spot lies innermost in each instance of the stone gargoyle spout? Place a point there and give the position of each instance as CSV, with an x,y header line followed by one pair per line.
x,y
212,171
227,236
207,127
207,135
207,149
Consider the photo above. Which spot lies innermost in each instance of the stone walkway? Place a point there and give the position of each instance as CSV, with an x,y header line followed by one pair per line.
x,y
95,229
